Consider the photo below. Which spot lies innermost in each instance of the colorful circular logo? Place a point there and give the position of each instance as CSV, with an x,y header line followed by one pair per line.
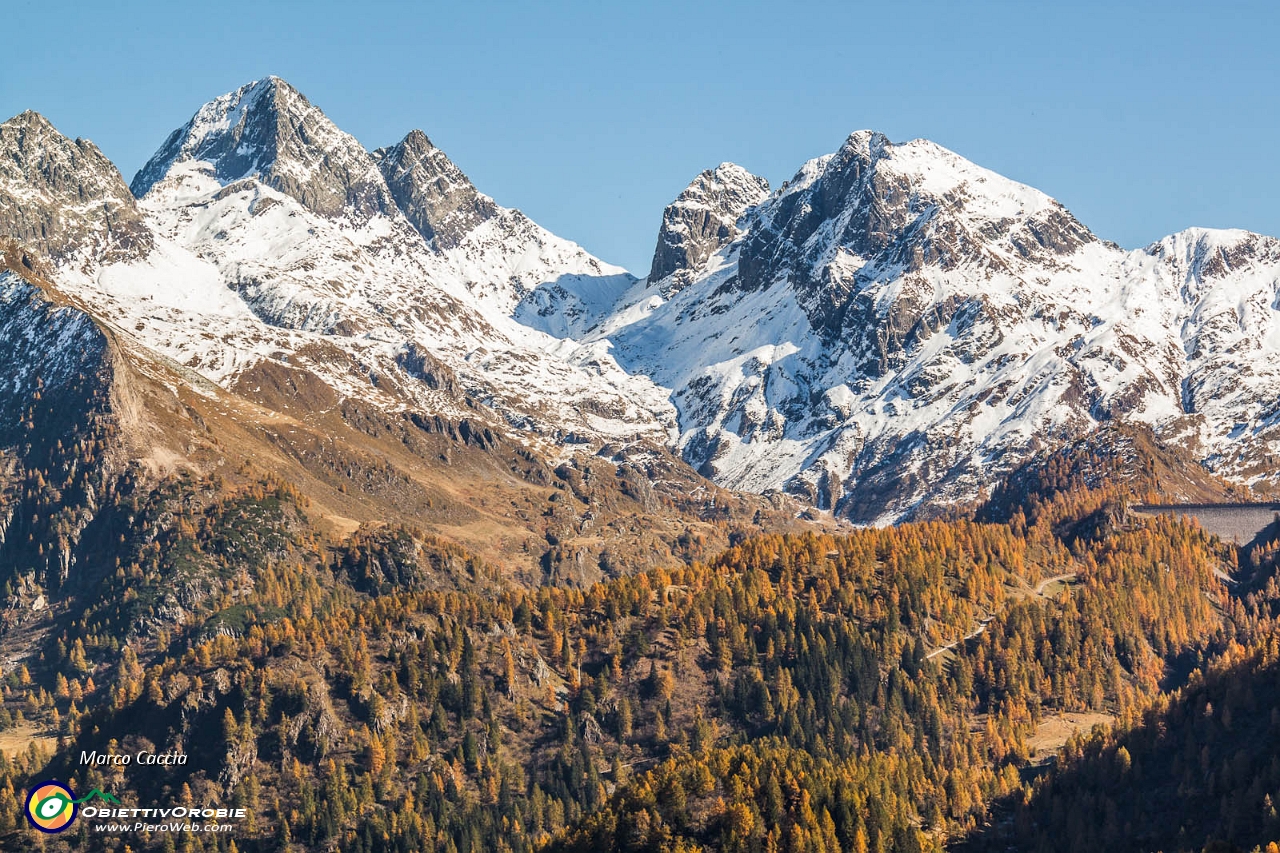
x,y
51,807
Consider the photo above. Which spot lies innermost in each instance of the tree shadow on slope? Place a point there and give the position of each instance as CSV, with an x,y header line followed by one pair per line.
x,y
1200,772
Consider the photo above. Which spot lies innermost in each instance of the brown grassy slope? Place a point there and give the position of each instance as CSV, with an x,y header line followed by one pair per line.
x,y
463,478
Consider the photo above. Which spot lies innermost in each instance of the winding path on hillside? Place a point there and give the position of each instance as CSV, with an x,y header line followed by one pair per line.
x,y
1038,589
1068,576
940,649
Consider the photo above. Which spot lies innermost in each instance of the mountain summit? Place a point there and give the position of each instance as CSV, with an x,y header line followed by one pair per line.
x,y
62,198
268,130
874,210
438,199
704,217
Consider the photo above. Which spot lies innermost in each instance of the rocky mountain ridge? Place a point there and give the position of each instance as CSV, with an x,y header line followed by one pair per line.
x,y
273,235
887,333
438,199
895,328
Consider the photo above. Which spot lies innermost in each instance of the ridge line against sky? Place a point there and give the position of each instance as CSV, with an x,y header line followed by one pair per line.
x,y
1142,118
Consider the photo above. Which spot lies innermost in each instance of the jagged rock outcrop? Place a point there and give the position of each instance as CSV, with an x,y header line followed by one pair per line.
x,y
436,197
60,198
703,218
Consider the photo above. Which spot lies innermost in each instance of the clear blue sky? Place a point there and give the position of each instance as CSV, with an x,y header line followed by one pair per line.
x,y
1143,118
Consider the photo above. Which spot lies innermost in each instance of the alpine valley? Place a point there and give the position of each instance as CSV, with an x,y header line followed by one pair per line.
x,y
416,526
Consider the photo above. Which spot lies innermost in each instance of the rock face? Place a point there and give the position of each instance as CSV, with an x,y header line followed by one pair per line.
x,y
269,131
436,197
59,417
59,198
703,218
49,350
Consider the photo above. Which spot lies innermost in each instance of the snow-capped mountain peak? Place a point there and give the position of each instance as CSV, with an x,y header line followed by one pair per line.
x,y
892,329
269,130
874,209
896,326
277,248
437,198
939,173
1201,253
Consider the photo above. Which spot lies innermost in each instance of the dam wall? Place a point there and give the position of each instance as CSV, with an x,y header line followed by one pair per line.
x,y
1241,523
